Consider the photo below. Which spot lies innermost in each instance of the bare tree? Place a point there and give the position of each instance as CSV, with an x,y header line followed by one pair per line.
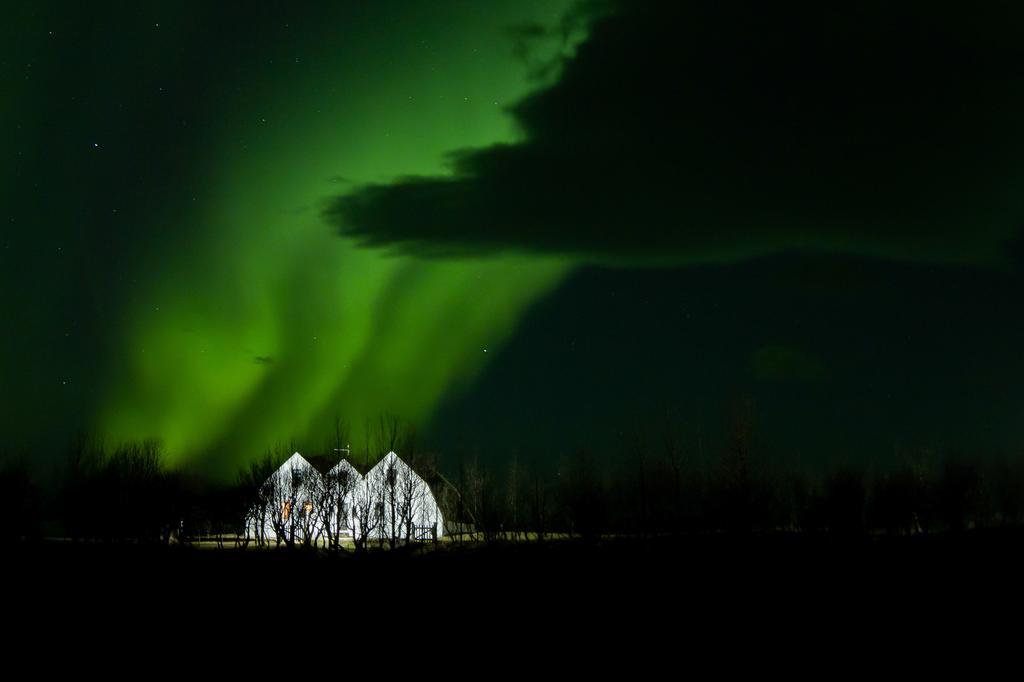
x,y
638,454
78,506
21,519
539,511
367,511
737,495
334,502
513,500
584,497
461,508
477,495
674,459
408,491
254,483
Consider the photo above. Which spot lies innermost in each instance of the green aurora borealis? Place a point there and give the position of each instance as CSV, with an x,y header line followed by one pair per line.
x,y
249,322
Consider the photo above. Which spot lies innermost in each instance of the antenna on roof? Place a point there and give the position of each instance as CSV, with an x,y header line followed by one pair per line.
x,y
345,449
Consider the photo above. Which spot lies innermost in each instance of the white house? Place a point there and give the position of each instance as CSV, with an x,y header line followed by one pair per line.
x,y
286,508
393,502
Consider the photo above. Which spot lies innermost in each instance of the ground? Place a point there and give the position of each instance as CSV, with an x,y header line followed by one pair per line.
x,y
562,598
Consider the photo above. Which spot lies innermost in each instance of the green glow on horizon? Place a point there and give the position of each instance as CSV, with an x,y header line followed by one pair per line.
x,y
260,325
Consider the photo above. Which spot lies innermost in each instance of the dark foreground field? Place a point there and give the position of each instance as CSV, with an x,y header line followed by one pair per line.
x,y
661,574
567,603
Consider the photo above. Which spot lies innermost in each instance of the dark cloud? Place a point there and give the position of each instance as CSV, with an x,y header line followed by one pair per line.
x,y
703,131
541,47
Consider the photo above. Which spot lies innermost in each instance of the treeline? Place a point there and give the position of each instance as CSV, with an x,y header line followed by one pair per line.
x,y
663,496
657,486
129,494
126,494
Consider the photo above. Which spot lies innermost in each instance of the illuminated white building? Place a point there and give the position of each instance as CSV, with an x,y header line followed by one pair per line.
x,y
286,509
393,502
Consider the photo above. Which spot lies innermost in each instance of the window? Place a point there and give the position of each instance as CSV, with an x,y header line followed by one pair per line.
x,y
307,507
286,510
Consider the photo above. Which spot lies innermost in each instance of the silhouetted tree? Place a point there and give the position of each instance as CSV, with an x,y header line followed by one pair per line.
x,y
897,501
332,504
128,495
21,518
740,497
843,503
253,486
956,493
513,522
584,497
1005,488
367,512
78,495
540,512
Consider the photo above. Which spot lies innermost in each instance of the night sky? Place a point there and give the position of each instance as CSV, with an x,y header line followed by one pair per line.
x,y
523,226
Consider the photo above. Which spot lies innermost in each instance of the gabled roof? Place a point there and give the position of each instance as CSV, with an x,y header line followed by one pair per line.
x,y
283,474
325,464
296,461
386,460
345,465
391,459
